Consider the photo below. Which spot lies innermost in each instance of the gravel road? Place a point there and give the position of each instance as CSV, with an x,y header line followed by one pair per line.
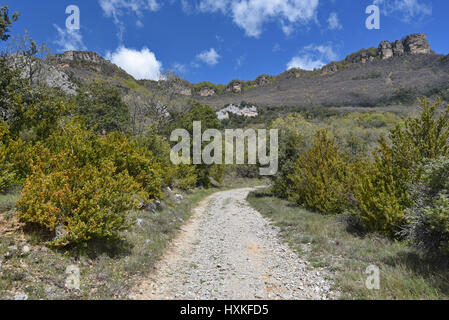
x,y
229,251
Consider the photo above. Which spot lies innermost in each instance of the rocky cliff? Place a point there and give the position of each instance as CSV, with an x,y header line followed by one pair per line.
x,y
411,44
391,72
86,65
394,72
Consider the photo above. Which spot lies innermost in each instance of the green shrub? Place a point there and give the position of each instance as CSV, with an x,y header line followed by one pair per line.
x,y
209,120
84,183
79,203
186,176
134,159
383,191
322,178
7,175
294,132
428,221
101,107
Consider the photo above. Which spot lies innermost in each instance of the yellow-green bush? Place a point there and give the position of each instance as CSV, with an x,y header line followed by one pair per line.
x,y
81,203
322,179
136,160
186,176
383,191
294,134
86,183
126,155
428,220
6,171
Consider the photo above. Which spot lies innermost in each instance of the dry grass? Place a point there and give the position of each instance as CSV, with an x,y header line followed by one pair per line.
x,y
109,270
334,242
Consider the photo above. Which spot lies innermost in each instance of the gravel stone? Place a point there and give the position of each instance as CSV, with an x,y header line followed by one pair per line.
x,y
228,251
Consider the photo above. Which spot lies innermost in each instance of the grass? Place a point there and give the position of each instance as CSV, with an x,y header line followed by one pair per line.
x,y
109,270
333,242
8,201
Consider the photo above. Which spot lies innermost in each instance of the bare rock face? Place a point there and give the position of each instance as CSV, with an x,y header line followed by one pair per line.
x,y
411,44
262,80
42,73
293,73
185,92
86,56
239,110
385,50
329,69
416,44
207,92
398,48
58,79
78,63
235,86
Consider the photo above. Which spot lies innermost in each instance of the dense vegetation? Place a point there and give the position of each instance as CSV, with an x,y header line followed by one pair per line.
x,y
390,173
74,158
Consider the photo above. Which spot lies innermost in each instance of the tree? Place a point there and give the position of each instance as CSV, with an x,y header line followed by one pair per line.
x,y
101,106
428,219
25,55
383,192
6,22
145,111
209,120
322,178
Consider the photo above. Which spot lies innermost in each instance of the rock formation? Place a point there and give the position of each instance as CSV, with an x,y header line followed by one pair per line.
x,y
416,44
85,56
398,48
411,44
385,50
234,86
246,111
262,80
207,92
330,68
38,71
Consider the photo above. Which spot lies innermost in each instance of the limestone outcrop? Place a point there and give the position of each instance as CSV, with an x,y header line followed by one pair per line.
x,y
411,44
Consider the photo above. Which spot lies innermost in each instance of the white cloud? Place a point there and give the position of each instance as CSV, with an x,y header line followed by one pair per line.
x,y
180,68
240,61
334,22
407,9
209,57
251,15
69,40
115,9
140,64
186,6
313,57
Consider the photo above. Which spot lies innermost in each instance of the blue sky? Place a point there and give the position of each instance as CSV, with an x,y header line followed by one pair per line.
x,y
222,40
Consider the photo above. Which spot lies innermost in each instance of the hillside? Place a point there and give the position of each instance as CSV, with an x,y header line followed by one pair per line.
x,y
391,74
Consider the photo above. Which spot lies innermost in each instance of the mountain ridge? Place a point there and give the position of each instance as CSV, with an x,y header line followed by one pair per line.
x,y
390,73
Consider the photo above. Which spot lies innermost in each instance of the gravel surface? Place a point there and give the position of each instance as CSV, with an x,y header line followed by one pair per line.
x,y
229,251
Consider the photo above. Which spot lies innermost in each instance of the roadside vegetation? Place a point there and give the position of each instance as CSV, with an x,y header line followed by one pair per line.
x,y
367,189
334,242
80,185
